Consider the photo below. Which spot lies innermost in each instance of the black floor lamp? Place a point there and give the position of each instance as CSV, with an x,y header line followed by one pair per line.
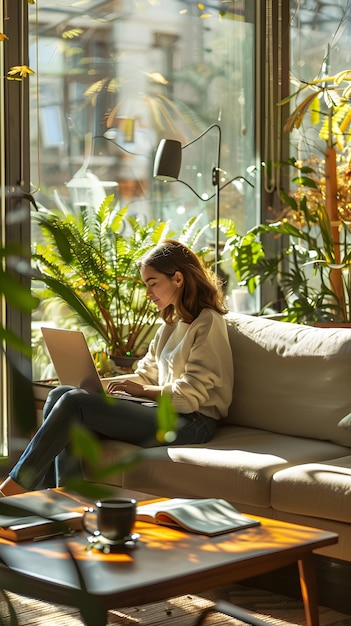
x,y
167,164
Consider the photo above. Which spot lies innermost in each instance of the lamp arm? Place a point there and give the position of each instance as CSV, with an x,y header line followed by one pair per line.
x,y
213,195
191,189
237,178
204,133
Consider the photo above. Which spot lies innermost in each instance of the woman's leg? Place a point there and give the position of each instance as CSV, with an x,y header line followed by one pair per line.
x,y
121,420
116,419
50,479
194,428
10,486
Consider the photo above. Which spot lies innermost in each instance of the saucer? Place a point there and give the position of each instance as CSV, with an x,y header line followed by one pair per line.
x,y
107,545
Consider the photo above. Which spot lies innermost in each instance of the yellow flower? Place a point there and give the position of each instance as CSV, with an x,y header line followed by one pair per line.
x,y
3,37
22,70
71,34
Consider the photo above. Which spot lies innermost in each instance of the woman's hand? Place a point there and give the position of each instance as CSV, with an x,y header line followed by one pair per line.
x,y
150,392
126,386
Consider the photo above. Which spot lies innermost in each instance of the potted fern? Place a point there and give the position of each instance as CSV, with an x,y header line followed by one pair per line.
x,y
89,261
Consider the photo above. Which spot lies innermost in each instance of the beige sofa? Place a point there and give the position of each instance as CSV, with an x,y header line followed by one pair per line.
x,y
281,453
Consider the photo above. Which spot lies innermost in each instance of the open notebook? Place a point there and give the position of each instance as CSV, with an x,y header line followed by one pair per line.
x,y
73,362
208,516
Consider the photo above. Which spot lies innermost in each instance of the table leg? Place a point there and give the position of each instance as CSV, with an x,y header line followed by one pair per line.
x,y
308,584
97,617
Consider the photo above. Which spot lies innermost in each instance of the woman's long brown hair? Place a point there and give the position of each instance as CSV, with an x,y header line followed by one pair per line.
x,y
201,288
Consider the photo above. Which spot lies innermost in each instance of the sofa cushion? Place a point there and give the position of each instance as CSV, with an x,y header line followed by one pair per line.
x,y
320,490
237,465
289,378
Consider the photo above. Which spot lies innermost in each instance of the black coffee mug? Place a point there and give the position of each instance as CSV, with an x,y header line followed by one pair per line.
x,y
114,518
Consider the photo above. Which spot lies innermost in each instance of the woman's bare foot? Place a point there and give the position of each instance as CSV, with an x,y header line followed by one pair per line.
x,y
10,488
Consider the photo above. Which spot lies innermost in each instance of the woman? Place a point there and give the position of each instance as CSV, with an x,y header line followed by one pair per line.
x,y
189,358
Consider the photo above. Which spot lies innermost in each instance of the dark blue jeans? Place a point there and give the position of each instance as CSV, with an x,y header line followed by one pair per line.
x,y
117,419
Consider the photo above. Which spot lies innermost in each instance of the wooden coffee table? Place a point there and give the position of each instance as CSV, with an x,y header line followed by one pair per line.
x,y
164,563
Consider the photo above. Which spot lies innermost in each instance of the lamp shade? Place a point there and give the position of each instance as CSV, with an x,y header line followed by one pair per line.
x,y
168,160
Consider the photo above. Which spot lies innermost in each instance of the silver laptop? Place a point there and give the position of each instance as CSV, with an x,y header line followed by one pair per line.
x,y
73,362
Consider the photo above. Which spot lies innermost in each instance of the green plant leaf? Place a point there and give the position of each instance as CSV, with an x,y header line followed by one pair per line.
x,y
289,200
8,336
17,294
85,445
90,261
305,182
167,419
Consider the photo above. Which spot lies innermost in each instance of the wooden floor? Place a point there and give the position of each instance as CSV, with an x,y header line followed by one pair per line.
x,y
275,609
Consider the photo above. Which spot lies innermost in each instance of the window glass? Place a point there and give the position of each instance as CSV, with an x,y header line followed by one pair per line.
x,y
113,78
320,37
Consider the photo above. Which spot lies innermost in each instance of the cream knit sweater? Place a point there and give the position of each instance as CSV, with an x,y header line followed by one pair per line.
x,y
193,364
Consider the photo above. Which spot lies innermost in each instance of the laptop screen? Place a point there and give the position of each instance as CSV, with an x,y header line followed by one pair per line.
x,y
71,358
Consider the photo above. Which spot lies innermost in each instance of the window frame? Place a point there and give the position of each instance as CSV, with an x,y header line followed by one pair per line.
x,y
15,185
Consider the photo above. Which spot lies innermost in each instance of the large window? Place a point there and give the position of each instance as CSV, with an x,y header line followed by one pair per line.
x,y
113,78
